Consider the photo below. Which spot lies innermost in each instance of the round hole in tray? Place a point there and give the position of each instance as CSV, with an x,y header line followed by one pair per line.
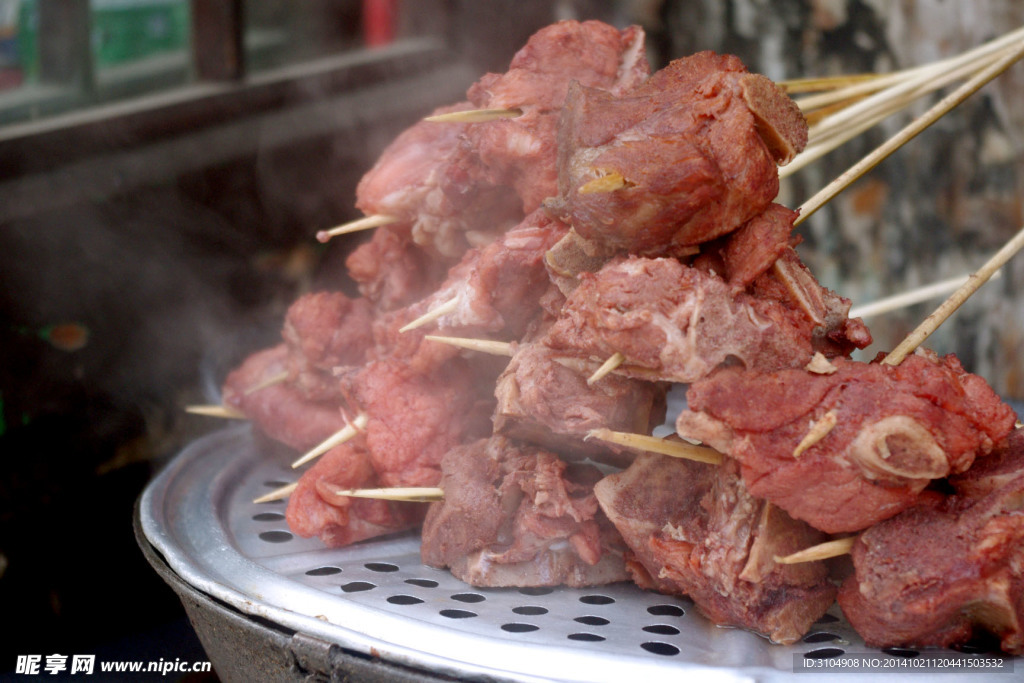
x,y
323,571
901,652
422,583
268,517
468,597
382,567
666,611
596,600
357,587
404,600
536,591
824,653
591,620
277,483
457,614
519,627
530,610
659,648
662,630
276,536
821,637
586,637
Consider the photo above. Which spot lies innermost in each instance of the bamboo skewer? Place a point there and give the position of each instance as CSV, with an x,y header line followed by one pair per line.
x,y
341,436
367,223
908,133
950,305
495,348
277,494
475,116
608,367
822,551
216,411
413,494
676,449
268,382
911,297
432,315
819,430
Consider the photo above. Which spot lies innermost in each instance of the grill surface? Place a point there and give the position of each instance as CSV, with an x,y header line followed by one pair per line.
x,y
378,598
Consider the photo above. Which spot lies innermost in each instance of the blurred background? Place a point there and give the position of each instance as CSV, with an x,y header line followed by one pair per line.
x,y
164,165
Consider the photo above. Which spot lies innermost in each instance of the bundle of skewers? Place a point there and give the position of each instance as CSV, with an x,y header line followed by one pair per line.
x,y
549,258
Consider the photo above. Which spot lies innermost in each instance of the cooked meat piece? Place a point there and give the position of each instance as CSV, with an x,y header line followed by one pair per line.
x,y
313,509
757,245
393,271
942,572
993,471
676,323
323,330
279,410
425,180
690,147
415,418
693,529
522,152
518,516
498,287
897,428
547,402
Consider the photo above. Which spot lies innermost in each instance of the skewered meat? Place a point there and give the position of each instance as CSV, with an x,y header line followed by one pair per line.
x,y
280,410
423,180
458,185
943,571
676,323
547,402
323,330
522,152
498,287
393,271
414,418
518,516
696,147
314,510
897,428
694,530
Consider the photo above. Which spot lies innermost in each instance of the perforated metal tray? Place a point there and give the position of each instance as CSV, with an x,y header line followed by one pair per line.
x,y
377,598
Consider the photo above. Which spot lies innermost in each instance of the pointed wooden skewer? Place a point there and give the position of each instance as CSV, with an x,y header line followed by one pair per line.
x,y
822,551
676,449
908,133
336,439
819,430
911,297
495,348
793,86
475,116
432,315
277,494
366,223
268,382
216,411
413,494
950,305
608,367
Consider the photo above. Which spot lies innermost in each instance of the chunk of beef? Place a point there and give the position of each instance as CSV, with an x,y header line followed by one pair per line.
x,y
897,429
942,572
690,147
518,516
547,402
693,529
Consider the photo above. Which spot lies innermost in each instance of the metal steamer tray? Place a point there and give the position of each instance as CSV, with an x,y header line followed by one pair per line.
x,y
378,602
